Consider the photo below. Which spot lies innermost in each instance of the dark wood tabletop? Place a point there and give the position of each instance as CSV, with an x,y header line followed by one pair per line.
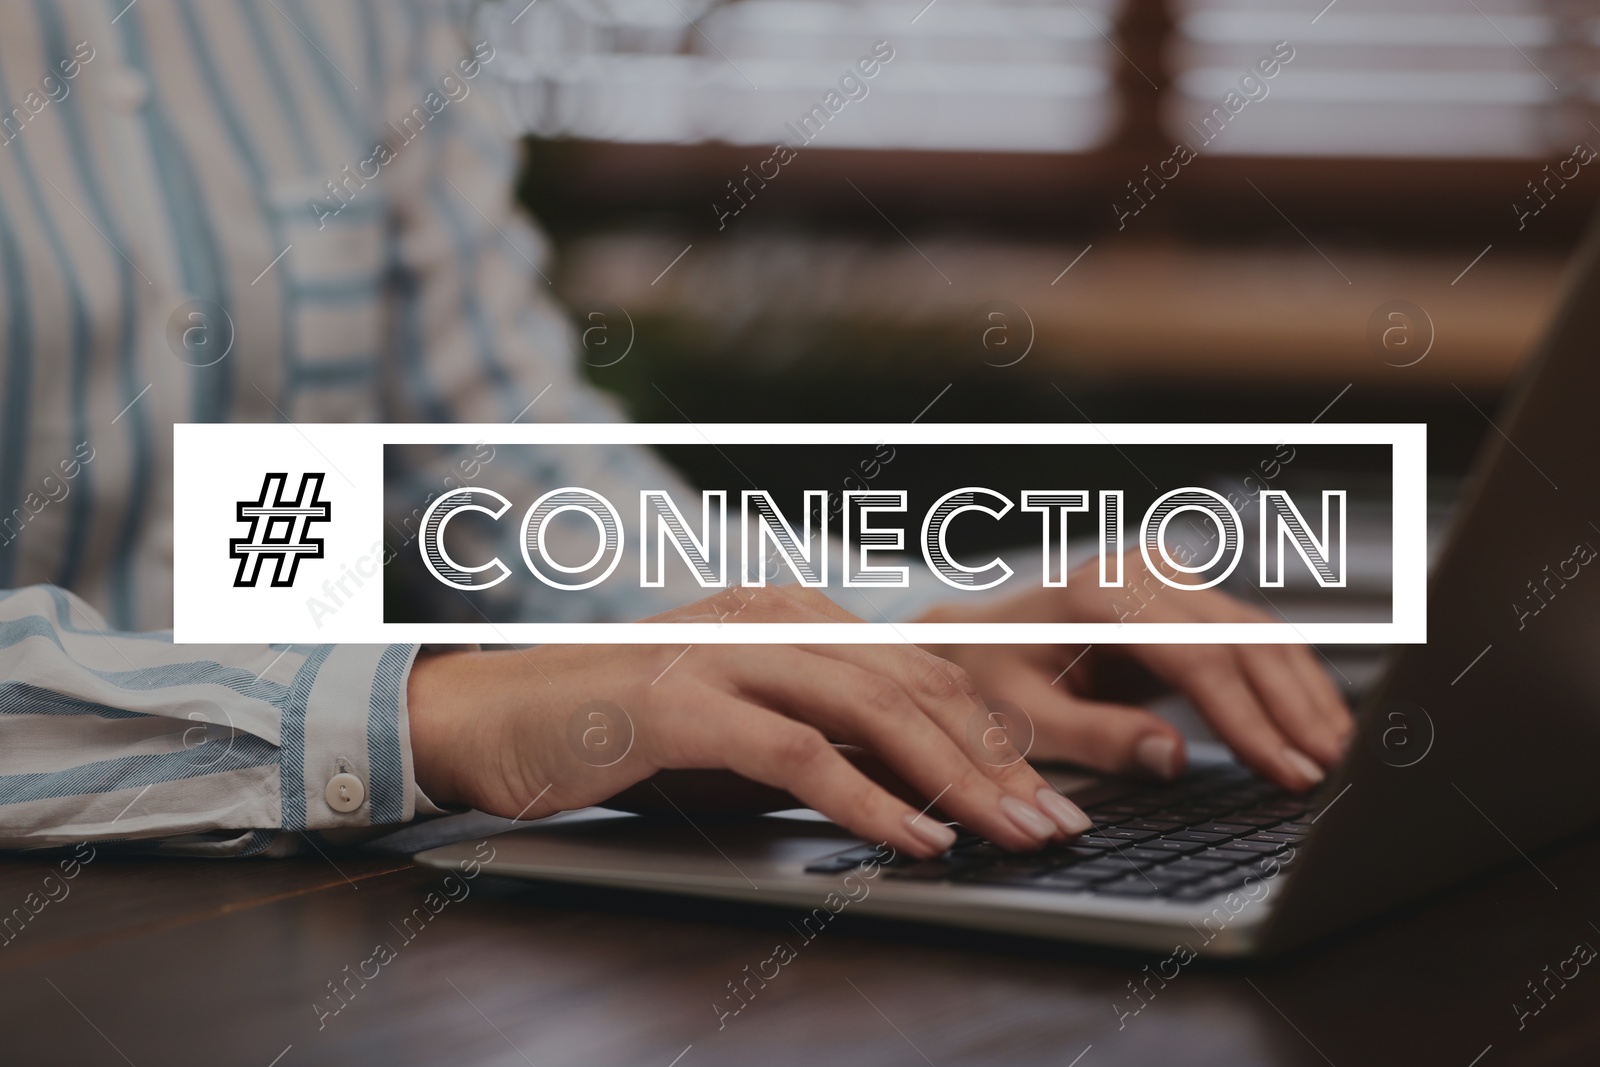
x,y
236,962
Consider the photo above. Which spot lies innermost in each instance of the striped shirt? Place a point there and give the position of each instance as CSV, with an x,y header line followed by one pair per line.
x,y
325,186
167,158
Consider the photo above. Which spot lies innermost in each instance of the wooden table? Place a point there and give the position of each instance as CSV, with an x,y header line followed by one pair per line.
x,y
170,962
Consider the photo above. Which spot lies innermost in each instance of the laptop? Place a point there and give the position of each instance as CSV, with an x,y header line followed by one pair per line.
x,y
1472,751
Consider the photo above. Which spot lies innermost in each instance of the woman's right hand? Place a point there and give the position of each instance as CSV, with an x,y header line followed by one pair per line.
x,y
527,733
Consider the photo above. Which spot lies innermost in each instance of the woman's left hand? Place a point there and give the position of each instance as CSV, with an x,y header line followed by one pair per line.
x,y
1273,704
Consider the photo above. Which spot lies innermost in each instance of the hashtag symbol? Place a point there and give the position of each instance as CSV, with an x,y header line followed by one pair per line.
x,y
279,529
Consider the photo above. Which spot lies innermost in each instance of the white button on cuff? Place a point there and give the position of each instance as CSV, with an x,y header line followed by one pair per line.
x,y
345,792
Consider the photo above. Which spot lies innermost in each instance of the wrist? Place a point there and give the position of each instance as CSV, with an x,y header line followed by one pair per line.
x,y
441,718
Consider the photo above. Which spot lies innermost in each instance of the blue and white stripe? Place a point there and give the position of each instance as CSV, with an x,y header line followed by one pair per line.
x,y
177,164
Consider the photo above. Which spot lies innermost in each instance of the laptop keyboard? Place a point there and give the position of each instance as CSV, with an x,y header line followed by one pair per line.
x,y
1188,841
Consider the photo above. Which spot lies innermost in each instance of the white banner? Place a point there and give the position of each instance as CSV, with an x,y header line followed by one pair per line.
x,y
269,518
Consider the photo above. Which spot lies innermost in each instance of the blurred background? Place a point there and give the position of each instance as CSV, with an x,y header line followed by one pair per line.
x,y
997,225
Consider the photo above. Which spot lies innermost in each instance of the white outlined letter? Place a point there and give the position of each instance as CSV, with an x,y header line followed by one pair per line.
x,y
858,573
770,525
1325,556
947,507
584,502
1169,506
1110,538
1060,501
695,551
430,539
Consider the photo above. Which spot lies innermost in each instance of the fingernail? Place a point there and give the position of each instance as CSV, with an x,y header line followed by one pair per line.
x,y
1067,815
1158,754
1303,764
1028,819
931,832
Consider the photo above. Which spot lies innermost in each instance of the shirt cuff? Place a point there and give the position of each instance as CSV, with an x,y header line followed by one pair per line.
x,y
354,745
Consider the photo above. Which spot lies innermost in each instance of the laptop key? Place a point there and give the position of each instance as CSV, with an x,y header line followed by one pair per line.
x,y
1191,816
1119,834
1167,844
1206,890
1160,826
1227,829
1278,838
1250,846
1294,828
1279,808
1136,859
1073,854
1196,867
1114,812
1100,869
1233,857
1064,885
844,861
1052,861
1006,875
1010,881
1289,809
1226,883
1121,866
1105,862
863,853
1095,842
1198,836
979,852
1234,801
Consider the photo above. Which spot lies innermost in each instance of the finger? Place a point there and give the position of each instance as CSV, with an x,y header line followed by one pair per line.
x,y
1329,701
1217,686
1111,738
1301,661
947,695
817,601
1289,702
705,727
868,709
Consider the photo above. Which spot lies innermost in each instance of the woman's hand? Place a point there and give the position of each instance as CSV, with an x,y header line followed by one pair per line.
x,y
532,732
1273,704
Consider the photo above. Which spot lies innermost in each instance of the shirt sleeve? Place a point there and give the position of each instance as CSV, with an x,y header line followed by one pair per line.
x,y
227,750
478,334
